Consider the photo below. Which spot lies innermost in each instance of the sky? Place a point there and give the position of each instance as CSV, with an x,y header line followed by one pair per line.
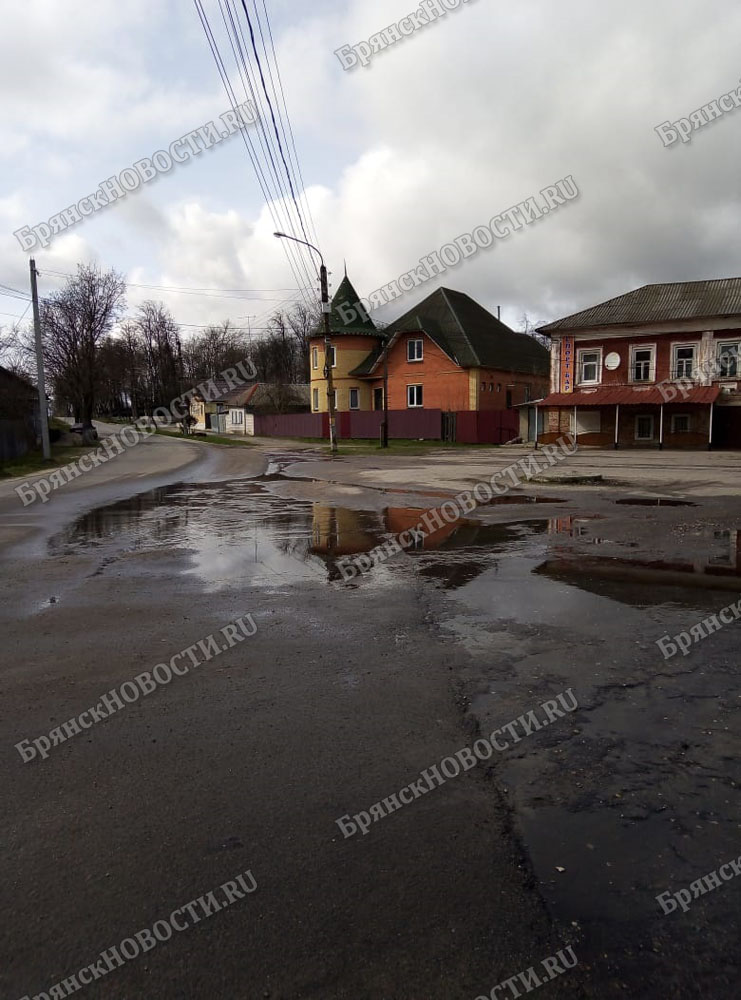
x,y
439,133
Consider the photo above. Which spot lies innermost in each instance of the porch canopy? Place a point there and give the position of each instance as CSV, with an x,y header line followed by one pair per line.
x,y
618,396
630,396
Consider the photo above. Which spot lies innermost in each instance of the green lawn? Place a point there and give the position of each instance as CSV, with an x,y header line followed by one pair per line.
x,y
233,442
33,461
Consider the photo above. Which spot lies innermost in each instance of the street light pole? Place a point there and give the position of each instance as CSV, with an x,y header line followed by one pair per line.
x,y
326,309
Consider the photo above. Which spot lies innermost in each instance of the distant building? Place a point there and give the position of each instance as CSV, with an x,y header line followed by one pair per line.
x,y
657,367
239,407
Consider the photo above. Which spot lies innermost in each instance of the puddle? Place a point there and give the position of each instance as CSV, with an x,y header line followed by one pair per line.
x,y
234,532
515,498
653,502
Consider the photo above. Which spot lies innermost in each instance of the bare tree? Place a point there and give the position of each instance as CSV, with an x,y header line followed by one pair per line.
x,y
74,322
219,347
531,329
159,337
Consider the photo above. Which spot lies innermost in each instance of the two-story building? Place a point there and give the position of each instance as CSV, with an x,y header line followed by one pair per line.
x,y
658,367
446,355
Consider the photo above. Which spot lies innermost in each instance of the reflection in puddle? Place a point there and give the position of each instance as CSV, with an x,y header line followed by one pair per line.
x,y
653,502
238,531
515,498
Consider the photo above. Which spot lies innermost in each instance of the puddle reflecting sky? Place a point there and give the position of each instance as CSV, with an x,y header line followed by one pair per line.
x,y
240,532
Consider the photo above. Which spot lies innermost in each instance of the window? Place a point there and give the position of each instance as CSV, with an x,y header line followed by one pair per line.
x,y
645,428
587,422
499,387
491,387
315,399
680,423
354,399
333,356
509,399
414,395
236,416
528,392
315,358
414,350
728,366
483,386
642,364
683,360
590,367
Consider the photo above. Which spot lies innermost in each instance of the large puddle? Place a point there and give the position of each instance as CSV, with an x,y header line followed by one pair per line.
x,y
241,532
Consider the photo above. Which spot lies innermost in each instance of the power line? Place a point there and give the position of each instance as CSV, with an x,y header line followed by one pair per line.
x,y
226,293
272,202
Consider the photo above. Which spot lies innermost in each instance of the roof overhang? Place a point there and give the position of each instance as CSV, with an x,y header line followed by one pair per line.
x,y
629,396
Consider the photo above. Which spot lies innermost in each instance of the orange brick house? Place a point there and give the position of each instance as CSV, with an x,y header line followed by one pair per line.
x,y
445,356
657,367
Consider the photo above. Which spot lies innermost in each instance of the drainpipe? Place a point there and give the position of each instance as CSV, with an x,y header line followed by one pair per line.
x,y
576,433
710,430
661,428
536,427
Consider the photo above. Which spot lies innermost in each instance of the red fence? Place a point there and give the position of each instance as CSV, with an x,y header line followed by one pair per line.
x,y
407,424
491,427
292,425
487,426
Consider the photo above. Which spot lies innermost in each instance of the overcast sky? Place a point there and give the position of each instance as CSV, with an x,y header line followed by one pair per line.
x,y
442,131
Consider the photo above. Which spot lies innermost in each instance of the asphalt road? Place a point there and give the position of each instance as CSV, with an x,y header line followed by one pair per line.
x,y
342,697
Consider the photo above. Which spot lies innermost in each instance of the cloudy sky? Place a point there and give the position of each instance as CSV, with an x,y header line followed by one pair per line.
x,y
439,133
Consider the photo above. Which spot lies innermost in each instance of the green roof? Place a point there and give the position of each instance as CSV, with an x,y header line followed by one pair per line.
x,y
468,334
347,297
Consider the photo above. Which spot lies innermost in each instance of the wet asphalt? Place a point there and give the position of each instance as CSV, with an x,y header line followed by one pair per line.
x,y
343,696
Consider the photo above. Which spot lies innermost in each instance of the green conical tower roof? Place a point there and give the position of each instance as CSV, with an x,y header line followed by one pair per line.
x,y
361,323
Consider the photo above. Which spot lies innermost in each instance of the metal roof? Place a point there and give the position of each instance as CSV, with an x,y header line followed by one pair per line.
x,y
628,396
659,304
468,334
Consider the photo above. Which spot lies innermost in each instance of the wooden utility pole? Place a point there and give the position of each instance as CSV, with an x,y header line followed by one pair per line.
x,y
40,377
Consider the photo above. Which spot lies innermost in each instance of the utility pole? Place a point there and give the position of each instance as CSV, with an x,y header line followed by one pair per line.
x,y
40,377
326,308
385,435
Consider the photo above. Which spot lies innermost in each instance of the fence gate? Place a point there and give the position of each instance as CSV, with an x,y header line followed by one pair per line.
x,y
449,428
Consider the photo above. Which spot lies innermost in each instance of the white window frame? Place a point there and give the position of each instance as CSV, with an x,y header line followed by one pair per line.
x,y
723,345
579,365
683,416
678,345
315,358
237,417
350,391
333,355
315,400
645,416
415,406
415,341
651,364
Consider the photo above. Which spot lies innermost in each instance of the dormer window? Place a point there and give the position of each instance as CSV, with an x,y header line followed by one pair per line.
x,y
414,350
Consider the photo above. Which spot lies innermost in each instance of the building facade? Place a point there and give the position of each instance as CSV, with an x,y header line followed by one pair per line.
x,y
447,354
658,367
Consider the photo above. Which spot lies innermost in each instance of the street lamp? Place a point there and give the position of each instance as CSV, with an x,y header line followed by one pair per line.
x,y
326,308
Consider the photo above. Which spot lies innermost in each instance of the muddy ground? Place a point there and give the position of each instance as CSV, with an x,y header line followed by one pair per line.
x,y
347,691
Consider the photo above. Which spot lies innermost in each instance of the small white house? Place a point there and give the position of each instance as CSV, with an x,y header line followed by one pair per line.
x,y
238,407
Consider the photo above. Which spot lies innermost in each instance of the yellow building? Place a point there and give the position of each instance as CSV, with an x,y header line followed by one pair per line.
x,y
351,344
